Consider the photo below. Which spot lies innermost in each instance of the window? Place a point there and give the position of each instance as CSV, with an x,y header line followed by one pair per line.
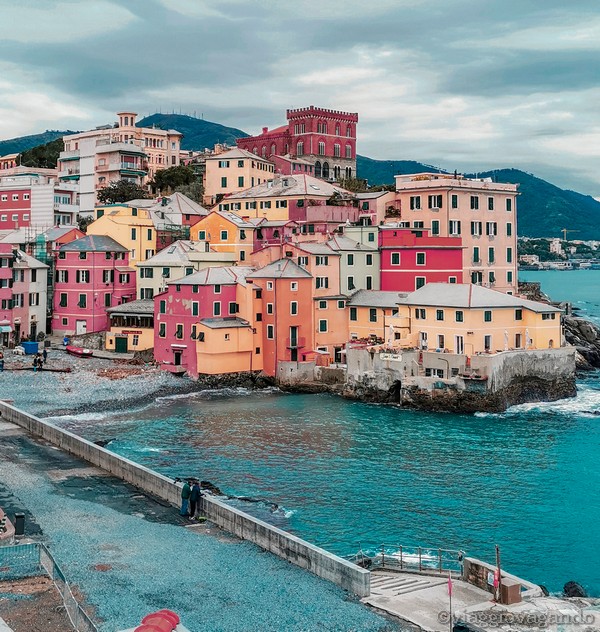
x,y
322,304
518,314
454,201
302,261
162,307
441,342
300,148
337,150
439,314
223,182
341,304
15,197
419,225
321,149
492,277
459,316
107,300
25,196
217,288
322,326
351,285
63,299
487,316
350,259
476,258
124,278
474,202
149,253
435,227
189,271
369,282
415,202
509,229
233,308
322,260
419,282
270,332
476,228
491,228
83,255
240,163
395,258
294,308
490,255
373,315
434,201
166,273
134,234
82,301
241,182
369,260
269,308
508,205
195,308
322,282
294,286
257,351
509,255
353,314
371,237
179,331
223,164
452,279
202,235
454,227
34,276
269,285
224,235
82,276
420,258
420,313
216,309
509,276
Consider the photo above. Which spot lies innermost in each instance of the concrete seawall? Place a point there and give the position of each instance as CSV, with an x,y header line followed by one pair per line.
x,y
348,576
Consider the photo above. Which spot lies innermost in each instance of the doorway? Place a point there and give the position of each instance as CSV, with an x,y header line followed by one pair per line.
x,y
80,327
121,344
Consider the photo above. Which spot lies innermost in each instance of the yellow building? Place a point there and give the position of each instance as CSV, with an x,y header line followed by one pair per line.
x,y
233,171
130,226
368,312
131,327
470,319
225,232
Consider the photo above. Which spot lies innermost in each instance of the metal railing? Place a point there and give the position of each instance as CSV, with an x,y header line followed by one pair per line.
x,y
32,560
410,558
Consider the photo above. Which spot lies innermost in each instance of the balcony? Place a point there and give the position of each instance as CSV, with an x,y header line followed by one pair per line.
x,y
299,342
66,208
131,168
68,155
69,174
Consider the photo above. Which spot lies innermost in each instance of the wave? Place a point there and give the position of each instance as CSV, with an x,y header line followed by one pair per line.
x,y
215,393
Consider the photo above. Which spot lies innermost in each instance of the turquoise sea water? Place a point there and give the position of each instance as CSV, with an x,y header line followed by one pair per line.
x,y
347,474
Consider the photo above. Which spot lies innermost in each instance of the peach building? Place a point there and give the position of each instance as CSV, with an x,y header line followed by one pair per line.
x,y
232,172
480,211
109,153
368,312
224,231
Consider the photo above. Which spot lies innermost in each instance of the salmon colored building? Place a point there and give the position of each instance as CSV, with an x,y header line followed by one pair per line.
x,y
224,231
91,275
411,258
287,317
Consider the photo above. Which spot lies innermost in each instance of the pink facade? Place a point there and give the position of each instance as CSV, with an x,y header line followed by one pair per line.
x,y
274,232
6,283
325,138
288,166
15,208
410,259
210,293
91,274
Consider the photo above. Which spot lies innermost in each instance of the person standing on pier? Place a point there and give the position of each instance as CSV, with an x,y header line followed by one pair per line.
x,y
195,496
186,491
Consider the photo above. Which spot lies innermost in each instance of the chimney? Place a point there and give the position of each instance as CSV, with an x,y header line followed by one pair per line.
x,y
265,130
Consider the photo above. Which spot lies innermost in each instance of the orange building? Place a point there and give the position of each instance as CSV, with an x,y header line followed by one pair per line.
x,y
225,232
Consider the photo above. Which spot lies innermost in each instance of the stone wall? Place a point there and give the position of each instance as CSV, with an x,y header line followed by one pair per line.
x,y
295,550
477,573
89,341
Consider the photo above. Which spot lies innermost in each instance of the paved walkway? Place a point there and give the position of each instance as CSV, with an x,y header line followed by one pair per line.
x,y
421,599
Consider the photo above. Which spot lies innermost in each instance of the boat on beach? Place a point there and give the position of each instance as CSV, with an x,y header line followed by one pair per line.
x,y
82,352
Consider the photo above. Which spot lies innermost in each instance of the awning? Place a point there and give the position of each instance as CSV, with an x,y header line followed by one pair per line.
x,y
5,329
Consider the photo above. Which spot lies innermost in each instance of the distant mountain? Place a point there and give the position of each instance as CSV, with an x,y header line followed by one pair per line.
x,y
197,133
17,145
544,209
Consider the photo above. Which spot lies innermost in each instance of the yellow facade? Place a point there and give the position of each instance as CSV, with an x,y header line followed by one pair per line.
x,y
138,338
225,233
131,227
369,322
226,350
233,171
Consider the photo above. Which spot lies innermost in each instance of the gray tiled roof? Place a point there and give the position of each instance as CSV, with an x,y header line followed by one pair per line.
x,y
298,185
281,269
376,298
224,323
93,243
341,242
143,307
468,295
217,275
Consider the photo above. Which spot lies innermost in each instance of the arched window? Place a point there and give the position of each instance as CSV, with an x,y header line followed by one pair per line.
x,y
348,173
348,151
337,129
273,149
337,172
318,169
321,148
300,149
337,150
325,170
264,151
349,131
255,151
287,148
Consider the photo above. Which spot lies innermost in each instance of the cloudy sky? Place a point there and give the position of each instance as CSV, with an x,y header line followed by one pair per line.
x,y
465,84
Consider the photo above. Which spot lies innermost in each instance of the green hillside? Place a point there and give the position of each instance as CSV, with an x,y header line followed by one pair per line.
x,y
17,145
377,172
197,133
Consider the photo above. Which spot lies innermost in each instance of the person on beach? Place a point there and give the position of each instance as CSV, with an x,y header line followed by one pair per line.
x,y
44,355
1,361
186,491
195,496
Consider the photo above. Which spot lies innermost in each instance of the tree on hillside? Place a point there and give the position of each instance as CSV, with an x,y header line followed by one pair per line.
x,y
356,185
42,156
167,180
121,191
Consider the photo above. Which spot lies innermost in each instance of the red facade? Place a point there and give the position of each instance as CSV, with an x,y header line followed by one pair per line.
x,y
410,259
15,208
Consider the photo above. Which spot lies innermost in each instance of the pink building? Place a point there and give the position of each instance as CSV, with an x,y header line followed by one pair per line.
x,y
325,138
210,293
291,166
91,274
273,232
6,283
410,259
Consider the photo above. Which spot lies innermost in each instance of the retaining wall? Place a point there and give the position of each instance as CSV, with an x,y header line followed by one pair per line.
x,y
295,550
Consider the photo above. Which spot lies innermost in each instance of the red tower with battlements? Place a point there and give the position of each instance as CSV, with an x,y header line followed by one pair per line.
x,y
325,138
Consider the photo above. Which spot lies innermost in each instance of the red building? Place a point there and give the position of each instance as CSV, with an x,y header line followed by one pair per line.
x,y
411,258
324,138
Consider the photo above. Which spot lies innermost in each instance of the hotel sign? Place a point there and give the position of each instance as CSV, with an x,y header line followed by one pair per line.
x,y
394,357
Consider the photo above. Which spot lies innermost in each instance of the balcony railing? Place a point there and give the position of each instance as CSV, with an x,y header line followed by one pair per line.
x,y
297,342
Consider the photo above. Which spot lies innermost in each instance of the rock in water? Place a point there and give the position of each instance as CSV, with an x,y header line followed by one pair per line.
x,y
573,589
